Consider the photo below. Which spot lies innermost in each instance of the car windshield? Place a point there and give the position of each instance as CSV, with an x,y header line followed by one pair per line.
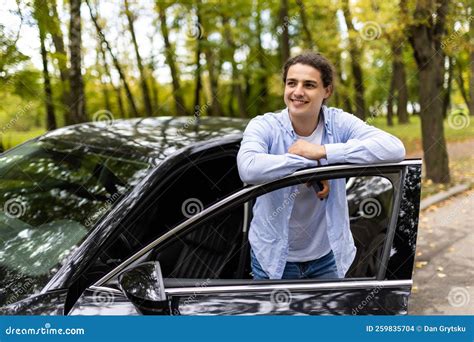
x,y
51,195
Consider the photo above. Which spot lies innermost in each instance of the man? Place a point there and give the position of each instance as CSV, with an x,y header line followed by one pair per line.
x,y
296,233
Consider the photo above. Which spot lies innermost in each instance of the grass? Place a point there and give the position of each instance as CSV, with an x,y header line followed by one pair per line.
x,y
410,133
10,139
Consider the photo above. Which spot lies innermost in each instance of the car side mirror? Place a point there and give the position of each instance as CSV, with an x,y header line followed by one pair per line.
x,y
143,286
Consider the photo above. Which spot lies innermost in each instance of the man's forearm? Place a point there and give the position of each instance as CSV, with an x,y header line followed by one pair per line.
x,y
308,150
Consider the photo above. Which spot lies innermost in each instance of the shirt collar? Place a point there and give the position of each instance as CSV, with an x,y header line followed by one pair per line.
x,y
285,120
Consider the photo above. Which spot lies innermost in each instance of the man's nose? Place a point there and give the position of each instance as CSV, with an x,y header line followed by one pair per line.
x,y
299,89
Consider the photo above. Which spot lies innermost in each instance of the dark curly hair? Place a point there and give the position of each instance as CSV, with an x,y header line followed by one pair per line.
x,y
317,61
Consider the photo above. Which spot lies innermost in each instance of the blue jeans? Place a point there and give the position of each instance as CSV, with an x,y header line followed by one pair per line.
x,y
323,268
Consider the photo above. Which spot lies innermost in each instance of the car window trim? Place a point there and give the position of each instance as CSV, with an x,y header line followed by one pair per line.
x,y
253,286
244,195
297,286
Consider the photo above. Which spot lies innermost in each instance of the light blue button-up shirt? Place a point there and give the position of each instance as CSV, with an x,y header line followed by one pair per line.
x,y
263,157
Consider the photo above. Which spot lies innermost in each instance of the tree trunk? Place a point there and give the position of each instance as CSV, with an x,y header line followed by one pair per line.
x,y
355,64
391,95
262,72
425,37
41,16
153,86
471,74
178,97
283,22
236,79
141,69
116,89
216,109
342,90
400,84
60,55
114,59
447,91
103,85
461,86
307,32
198,87
78,101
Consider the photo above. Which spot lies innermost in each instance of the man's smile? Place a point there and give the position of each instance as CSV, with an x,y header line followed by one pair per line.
x,y
299,101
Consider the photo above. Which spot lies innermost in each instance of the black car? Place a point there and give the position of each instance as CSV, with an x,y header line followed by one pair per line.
x,y
149,216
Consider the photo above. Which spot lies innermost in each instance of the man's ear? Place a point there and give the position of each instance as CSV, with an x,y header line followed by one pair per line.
x,y
329,90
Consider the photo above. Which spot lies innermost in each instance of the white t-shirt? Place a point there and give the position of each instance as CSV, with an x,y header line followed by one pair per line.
x,y
308,238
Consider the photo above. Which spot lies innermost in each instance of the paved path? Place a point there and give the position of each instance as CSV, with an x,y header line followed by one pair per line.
x,y
443,282
456,150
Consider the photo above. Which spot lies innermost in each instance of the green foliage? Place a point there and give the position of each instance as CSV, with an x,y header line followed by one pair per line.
x,y
229,31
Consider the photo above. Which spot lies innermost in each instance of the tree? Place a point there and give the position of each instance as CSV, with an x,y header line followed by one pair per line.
x,y
78,101
54,28
399,82
261,55
141,69
115,61
426,33
304,23
236,82
471,73
283,22
198,87
212,60
41,17
356,57
169,53
106,69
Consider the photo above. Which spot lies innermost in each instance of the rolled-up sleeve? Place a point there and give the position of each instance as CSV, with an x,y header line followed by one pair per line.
x,y
363,143
255,163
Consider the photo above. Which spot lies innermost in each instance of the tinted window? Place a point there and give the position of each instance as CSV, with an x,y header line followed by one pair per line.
x,y
50,196
218,248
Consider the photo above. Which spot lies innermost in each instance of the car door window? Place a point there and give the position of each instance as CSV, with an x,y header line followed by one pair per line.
x,y
51,195
218,248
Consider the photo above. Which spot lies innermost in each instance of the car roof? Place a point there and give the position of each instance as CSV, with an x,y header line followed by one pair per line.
x,y
147,139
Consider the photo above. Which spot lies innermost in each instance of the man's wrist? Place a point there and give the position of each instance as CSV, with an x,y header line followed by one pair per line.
x,y
323,152
320,152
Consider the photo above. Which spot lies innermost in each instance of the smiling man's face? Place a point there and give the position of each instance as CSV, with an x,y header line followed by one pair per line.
x,y
304,91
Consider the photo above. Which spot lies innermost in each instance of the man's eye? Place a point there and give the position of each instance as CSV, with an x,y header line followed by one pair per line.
x,y
310,85
290,83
